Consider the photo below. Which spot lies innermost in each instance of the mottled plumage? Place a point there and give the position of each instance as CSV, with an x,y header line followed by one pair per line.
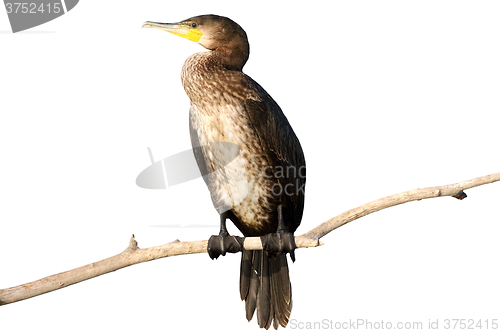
x,y
268,173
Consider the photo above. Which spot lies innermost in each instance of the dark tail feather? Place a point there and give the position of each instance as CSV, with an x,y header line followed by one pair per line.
x,y
265,286
249,282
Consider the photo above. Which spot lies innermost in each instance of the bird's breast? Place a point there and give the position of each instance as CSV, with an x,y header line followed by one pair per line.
x,y
218,114
241,185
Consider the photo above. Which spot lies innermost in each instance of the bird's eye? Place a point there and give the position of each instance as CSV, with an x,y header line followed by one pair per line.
x,y
194,25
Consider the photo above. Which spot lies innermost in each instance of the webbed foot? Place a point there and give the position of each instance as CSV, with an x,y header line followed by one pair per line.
x,y
224,243
281,241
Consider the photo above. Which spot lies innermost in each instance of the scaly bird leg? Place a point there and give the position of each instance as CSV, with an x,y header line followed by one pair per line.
x,y
224,243
280,242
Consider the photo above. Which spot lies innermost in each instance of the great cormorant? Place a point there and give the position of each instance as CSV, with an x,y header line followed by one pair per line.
x,y
262,189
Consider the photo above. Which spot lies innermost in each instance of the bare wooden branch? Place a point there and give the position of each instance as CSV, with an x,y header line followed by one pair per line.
x,y
133,254
453,190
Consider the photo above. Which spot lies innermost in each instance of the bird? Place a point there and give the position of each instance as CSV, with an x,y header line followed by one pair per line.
x,y
250,158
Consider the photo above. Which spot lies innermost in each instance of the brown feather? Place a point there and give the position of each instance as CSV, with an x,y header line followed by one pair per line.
x,y
228,106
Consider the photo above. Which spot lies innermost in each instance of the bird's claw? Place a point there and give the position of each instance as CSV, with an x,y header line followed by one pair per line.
x,y
278,243
224,243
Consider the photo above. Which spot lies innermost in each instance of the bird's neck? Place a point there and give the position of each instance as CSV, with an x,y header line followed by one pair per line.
x,y
233,57
207,73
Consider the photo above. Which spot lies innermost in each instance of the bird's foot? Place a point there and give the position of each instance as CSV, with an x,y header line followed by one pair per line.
x,y
224,243
278,243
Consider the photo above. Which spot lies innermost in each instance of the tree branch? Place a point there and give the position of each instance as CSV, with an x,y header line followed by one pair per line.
x,y
133,254
453,190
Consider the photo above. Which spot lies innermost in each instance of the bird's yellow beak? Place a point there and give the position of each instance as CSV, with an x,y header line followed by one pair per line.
x,y
180,29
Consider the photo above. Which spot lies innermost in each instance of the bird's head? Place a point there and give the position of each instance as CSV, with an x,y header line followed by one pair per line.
x,y
210,31
213,32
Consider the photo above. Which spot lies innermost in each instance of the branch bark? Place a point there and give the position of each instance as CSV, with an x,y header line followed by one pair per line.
x,y
133,254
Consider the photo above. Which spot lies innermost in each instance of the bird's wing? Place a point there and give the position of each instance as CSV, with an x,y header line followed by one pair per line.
x,y
201,160
206,168
285,152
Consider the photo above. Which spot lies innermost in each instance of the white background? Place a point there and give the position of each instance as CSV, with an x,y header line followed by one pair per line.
x,y
385,96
